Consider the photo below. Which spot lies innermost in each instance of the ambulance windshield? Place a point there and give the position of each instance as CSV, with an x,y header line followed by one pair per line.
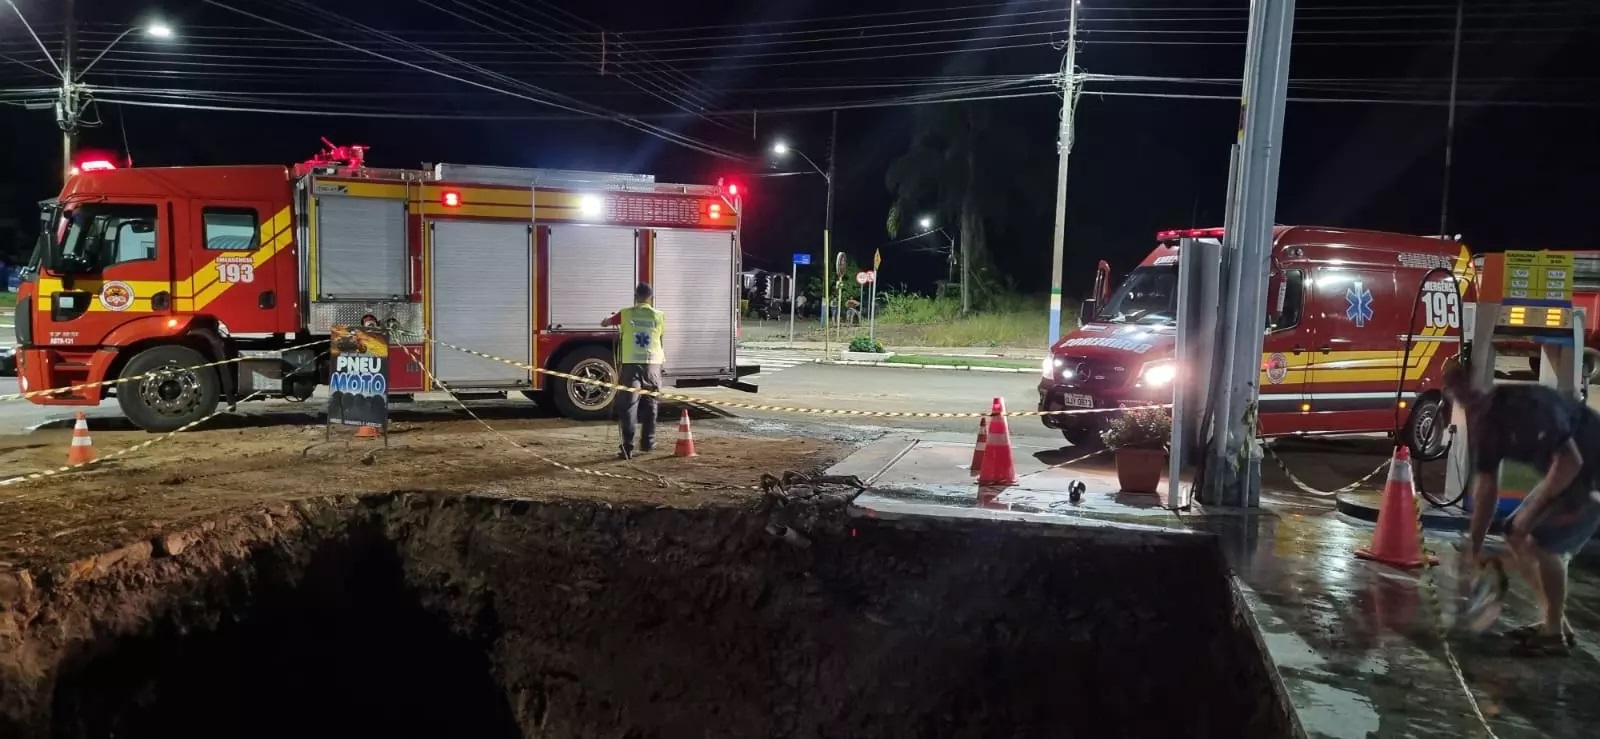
x,y
1148,296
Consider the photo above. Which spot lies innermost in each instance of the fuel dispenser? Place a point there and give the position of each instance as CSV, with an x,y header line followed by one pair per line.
x,y
1526,296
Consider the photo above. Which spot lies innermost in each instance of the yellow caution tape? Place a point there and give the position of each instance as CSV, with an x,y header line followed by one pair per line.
x,y
513,442
774,408
119,453
153,373
1306,488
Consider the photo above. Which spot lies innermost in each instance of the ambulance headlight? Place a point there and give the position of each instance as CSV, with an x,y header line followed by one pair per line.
x,y
1159,374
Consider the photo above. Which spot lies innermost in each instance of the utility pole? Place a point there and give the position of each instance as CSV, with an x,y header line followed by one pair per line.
x,y
1069,86
67,107
1450,125
827,234
1234,478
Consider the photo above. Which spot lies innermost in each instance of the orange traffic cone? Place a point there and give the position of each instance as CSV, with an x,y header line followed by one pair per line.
x,y
1397,541
82,449
366,432
998,468
685,445
977,449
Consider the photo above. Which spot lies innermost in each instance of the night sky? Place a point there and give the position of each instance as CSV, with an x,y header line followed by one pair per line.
x,y
1526,156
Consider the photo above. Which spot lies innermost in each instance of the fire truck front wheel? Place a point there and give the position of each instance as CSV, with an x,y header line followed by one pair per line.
x,y
171,389
581,401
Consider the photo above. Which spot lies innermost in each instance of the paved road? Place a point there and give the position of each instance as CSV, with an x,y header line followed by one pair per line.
x,y
894,389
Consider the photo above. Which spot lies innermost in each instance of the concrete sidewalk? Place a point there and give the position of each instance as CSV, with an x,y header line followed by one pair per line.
x,y
1354,645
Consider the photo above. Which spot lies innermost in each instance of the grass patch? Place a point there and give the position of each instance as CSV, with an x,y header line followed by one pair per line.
x,y
946,361
915,320
8,300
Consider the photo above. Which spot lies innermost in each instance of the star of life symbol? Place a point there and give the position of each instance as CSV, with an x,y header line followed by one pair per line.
x,y
1358,302
641,339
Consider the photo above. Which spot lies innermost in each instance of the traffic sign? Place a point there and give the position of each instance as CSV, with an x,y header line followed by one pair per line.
x,y
865,277
802,259
877,259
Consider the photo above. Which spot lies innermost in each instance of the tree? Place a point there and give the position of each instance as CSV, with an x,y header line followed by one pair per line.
x,y
966,169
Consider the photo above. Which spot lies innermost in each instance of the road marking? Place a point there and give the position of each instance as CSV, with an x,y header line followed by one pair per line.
x,y
772,361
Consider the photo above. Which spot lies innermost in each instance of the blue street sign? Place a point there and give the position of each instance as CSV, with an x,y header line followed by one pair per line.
x,y
802,259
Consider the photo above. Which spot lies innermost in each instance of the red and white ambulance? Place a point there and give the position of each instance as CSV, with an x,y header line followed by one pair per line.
x,y
1339,304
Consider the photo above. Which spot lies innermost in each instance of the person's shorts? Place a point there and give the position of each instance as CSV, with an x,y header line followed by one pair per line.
x,y
1566,530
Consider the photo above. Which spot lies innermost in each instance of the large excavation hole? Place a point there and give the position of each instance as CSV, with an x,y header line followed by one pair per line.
x,y
490,619
337,648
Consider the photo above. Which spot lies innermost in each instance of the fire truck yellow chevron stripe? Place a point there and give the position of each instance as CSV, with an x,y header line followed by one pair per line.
x,y
206,282
199,289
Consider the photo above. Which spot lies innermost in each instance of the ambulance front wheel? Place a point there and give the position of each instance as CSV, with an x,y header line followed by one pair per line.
x,y
1080,436
167,388
582,401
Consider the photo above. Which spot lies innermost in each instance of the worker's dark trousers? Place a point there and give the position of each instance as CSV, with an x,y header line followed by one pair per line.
x,y
642,407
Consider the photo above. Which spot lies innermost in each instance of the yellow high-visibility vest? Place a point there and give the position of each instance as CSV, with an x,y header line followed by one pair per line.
x,y
641,328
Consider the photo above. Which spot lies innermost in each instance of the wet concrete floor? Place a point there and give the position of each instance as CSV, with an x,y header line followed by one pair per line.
x,y
1356,644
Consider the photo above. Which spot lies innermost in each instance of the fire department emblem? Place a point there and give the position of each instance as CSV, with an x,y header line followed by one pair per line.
x,y
1277,368
1358,304
116,295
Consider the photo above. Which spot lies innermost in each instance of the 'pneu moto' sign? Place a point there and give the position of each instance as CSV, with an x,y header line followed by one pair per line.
x,y
360,379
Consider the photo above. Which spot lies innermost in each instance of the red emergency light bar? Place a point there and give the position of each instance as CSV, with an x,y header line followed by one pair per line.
x,y
716,211
733,190
451,199
1189,233
94,165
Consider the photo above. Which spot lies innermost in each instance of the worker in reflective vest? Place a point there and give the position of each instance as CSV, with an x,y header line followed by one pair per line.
x,y
640,328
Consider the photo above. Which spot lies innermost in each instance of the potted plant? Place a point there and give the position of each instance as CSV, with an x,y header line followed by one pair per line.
x,y
1139,438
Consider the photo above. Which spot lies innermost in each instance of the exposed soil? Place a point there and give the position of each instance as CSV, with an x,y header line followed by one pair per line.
x,y
198,475
426,615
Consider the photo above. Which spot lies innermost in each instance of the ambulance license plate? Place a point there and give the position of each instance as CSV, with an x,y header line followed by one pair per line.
x,y
1073,400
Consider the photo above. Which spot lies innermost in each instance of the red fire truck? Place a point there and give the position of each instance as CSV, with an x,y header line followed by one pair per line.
x,y
1339,301
169,268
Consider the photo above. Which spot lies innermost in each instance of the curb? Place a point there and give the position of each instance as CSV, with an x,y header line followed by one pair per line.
x,y
960,367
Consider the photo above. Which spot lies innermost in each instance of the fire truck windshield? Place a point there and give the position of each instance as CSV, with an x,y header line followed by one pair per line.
x,y
93,236
1148,296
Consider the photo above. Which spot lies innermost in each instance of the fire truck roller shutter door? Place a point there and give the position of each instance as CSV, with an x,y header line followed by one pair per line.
x,y
482,299
361,247
694,288
593,270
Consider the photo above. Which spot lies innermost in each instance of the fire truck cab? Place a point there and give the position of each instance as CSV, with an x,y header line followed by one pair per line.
x,y
1339,305
168,269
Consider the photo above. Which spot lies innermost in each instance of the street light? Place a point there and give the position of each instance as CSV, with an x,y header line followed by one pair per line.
x,y
68,111
926,224
153,29
782,149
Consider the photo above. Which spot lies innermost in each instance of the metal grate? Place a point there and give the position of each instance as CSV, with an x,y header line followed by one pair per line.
x,y
407,317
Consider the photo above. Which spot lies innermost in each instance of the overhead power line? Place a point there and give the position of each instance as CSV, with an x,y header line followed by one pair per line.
x,y
632,123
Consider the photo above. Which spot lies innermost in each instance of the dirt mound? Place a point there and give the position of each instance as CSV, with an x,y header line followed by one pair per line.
x,y
410,615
